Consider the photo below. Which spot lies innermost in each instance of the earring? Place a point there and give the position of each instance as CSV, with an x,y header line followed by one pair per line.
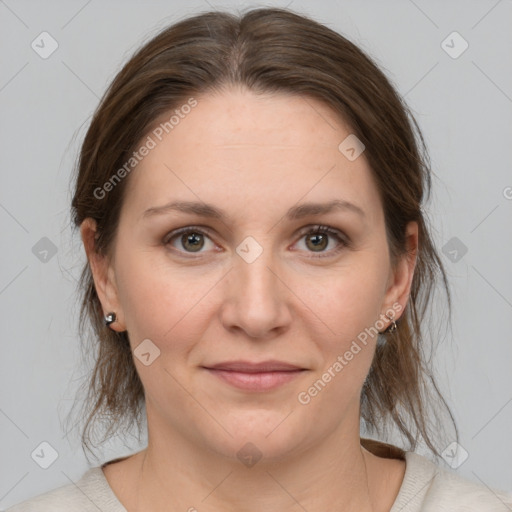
x,y
392,327
109,319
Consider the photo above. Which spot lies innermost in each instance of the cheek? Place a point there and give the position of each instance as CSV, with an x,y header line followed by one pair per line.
x,y
350,310
350,300
350,306
163,303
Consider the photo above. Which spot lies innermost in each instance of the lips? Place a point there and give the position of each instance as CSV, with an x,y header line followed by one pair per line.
x,y
250,367
255,377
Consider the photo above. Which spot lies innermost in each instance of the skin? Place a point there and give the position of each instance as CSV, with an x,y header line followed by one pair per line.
x,y
254,156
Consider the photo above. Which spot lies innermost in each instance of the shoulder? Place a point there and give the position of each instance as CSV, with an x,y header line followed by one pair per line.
x,y
427,488
89,494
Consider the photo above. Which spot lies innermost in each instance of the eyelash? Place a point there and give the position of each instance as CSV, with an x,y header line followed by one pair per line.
x,y
343,241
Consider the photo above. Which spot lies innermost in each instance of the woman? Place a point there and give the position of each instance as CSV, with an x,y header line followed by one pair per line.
x,y
249,196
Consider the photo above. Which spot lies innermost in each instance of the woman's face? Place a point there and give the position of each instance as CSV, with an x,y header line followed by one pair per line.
x,y
252,283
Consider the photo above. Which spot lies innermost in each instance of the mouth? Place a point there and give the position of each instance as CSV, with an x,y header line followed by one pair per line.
x,y
248,376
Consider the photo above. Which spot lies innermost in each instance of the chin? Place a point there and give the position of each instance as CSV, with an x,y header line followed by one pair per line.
x,y
261,434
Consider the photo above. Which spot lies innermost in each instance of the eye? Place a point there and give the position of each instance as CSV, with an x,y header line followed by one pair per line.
x,y
318,238
191,239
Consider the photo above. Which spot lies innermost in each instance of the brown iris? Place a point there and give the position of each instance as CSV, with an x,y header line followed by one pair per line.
x,y
196,241
319,240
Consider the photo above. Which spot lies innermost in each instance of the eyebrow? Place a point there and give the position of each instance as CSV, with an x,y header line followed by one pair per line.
x,y
294,213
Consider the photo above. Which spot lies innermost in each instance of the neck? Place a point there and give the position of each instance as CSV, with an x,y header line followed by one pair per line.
x,y
177,474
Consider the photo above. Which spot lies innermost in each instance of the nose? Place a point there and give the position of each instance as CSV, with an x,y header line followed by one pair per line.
x,y
257,300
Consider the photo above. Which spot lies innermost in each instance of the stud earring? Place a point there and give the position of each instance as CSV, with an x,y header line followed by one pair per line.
x,y
109,319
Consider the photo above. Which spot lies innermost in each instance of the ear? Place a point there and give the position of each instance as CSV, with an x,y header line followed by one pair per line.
x,y
400,278
103,274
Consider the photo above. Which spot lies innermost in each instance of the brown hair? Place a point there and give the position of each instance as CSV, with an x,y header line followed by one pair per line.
x,y
266,50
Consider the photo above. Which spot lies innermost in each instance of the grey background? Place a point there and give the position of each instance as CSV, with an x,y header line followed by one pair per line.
x,y
463,105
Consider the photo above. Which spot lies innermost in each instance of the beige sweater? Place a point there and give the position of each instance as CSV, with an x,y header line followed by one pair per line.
x,y
426,488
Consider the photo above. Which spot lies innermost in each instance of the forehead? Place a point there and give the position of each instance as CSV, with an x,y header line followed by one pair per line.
x,y
236,148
